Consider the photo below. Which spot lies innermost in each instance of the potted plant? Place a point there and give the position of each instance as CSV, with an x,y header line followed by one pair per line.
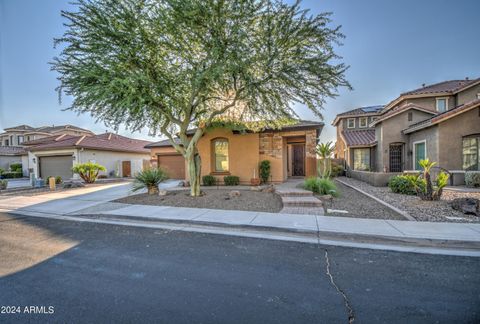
x,y
255,181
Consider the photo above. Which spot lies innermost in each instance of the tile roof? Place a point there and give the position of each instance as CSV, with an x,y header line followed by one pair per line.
x,y
364,137
164,143
397,110
362,111
450,86
12,150
20,127
46,129
103,142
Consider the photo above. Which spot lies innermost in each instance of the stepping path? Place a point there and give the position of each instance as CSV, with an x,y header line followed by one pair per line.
x,y
299,201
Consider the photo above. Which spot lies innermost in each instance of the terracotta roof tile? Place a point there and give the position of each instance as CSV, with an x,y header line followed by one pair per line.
x,y
12,150
359,137
450,86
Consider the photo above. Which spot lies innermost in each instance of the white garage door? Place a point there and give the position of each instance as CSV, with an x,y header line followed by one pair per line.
x,y
60,165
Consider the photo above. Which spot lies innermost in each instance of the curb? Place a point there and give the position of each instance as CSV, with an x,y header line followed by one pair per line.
x,y
395,209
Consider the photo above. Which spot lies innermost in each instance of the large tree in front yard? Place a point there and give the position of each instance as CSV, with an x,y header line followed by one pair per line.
x,y
171,65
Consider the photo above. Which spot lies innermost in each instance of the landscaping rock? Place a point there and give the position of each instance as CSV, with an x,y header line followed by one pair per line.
x,y
73,184
234,193
255,188
162,192
468,206
270,189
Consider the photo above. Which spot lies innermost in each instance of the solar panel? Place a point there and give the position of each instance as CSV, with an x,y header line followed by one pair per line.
x,y
371,108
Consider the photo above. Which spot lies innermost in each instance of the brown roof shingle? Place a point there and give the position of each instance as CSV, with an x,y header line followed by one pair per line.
x,y
12,150
449,86
364,137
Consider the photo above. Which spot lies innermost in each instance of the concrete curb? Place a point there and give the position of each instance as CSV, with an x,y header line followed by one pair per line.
x,y
395,209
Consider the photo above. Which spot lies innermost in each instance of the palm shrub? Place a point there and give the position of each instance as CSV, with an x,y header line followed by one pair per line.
x,y
321,186
264,171
149,179
423,184
325,151
88,171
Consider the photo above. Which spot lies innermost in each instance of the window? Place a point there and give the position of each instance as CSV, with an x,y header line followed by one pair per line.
x,y
351,123
419,153
11,140
410,116
442,104
471,153
220,154
6,142
20,139
363,122
361,159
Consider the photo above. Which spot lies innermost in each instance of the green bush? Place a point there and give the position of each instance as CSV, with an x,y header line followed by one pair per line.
x,y
209,180
149,179
2,171
231,180
322,186
12,175
16,167
264,171
403,184
3,184
88,171
337,170
472,178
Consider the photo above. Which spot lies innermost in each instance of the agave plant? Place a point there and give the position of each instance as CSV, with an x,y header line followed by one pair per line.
x,y
149,179
325,151
423,182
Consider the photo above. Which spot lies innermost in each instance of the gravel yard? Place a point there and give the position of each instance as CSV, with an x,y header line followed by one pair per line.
x,y
431,211
358,205
213,199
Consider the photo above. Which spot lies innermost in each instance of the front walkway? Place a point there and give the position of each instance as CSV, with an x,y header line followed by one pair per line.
x,y
297,200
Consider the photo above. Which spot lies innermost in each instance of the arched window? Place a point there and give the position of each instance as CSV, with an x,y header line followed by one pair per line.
x,y
220,154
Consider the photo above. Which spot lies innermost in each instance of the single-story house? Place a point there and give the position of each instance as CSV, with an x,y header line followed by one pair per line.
x,y
56,155
290,150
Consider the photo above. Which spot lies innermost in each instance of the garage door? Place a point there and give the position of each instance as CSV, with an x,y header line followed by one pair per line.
x,y
60,165
173,164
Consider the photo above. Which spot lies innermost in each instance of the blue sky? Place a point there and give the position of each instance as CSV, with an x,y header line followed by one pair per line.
x,y
391,47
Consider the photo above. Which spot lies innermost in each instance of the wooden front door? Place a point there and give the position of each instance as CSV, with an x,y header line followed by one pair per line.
x,y
126,169
298,160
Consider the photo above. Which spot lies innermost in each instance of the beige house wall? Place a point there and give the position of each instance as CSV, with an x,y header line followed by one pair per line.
x,y
112,161
430,136
451,132
468,95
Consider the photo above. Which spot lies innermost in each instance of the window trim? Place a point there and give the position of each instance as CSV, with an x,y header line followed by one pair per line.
x,y
446,103
213,169
413,152
348,124
360,122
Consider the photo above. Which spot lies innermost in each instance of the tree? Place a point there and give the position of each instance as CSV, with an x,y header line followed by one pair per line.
x,y
172,65
325,151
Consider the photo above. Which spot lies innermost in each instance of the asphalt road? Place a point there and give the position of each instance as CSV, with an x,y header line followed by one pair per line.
x,y
115,274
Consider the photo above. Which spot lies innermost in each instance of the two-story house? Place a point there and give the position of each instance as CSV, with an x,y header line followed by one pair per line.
x,y
440,122
356,138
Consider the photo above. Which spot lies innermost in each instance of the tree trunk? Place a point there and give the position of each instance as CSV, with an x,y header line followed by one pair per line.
x,y
194,170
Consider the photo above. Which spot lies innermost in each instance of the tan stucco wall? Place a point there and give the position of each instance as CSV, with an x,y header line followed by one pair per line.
x,y
430,102
450,137
430,136
468,95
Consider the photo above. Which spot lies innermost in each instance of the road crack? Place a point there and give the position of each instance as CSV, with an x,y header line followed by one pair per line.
x,y
348,306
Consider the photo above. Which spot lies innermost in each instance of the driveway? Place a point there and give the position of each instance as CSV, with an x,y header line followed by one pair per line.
x,y
109,274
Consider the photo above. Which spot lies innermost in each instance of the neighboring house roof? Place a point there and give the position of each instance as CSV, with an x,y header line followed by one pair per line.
x,y
12,150
443,116
301,125
361,111
449,87
45,129
47,139
102,142
398,110
20,127
359,138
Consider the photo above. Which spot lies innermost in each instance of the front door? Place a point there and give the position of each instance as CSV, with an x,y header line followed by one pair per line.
x,y
126,169
298,160
396,157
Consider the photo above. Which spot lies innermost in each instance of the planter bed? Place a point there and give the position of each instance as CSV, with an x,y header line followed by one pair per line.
x,y
431,211
212,199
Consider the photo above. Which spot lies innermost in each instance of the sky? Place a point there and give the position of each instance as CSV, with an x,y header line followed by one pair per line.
x,y
390,46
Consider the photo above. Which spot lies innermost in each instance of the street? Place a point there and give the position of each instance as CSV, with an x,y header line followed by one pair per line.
x,y
101,273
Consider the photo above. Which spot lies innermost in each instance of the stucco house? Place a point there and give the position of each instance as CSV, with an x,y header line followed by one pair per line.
x,y
440,122
291,151
56,155
13,138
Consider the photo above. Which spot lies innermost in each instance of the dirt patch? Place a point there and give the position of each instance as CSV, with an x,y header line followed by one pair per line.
x,y
358,205
212,199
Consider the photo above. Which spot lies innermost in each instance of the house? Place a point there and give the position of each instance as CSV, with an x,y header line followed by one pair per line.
x,y
291,151
13,138
56,155
356,138
439,121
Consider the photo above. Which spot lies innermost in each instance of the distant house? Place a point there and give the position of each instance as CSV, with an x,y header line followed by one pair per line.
x,y
13,138
290,150
440,122
56,155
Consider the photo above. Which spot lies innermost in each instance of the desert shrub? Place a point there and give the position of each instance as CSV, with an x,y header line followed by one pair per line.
x,y
403,184
2,171
88,171
322,186
16,167
209,180
472,178
58,180
149,179
264,171
424,186
3,184
231,180
337,170
12,175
